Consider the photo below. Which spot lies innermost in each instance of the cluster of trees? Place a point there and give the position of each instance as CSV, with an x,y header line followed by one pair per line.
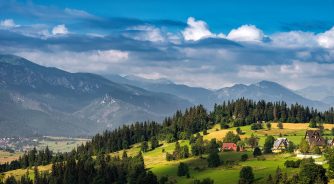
x,y
86,170
305,147
179,152
31,158
309,172
245,112
178,127
122,138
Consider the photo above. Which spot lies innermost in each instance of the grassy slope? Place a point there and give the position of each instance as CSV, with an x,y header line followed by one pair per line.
x,y
155,159
8,157
61,144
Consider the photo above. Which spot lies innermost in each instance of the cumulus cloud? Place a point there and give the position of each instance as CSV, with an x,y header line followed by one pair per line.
x,y
59,30
326,39
196,30
248,33
192,56
8,23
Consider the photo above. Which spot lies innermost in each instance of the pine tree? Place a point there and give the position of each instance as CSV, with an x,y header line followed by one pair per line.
x,y
154,143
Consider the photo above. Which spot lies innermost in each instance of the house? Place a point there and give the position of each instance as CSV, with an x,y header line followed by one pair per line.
x,y
330,142
280,145
313,137
231,147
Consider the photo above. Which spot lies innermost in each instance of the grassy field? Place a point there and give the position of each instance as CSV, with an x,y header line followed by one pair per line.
x,y
156,162
8,157
61,144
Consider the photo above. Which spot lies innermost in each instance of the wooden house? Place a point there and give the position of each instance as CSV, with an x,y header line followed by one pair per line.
x,y
314,138
280,144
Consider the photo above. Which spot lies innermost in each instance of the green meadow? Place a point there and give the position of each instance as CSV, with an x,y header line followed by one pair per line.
x,y
226,173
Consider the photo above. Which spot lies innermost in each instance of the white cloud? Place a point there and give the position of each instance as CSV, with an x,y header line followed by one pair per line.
x,y
59,30
89,61
146,33
294,39
326,39
196,30
246,33
8,23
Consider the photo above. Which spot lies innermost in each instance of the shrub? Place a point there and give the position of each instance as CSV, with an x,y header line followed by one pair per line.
x,y
246,175
169,156
292,164
183,169
213,160
257,152
244,157
204,181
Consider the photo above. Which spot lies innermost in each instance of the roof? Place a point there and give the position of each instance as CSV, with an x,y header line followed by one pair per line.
x,y
229,144
280,141
314,137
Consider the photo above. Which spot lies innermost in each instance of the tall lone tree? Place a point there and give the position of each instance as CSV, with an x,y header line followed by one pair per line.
x,y
268,144
154,143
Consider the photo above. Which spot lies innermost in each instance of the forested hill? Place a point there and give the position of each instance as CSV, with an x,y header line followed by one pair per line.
x,y
180,126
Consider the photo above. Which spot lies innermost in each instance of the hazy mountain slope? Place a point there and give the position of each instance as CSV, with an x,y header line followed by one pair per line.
x,y
316,92
195,95
19,117
266,90
329,100
55,93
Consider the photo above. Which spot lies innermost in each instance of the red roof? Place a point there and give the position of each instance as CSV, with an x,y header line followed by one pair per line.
x,y
231,146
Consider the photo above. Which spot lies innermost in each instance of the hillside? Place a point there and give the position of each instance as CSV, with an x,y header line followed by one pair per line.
x,y
49,101
263,90
156,162
269,91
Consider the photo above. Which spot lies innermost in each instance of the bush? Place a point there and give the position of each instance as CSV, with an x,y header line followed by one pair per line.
x,y
183,169
246,175
213,160
169,157
256,126
257,152
244,157
292,164
204,181
224,125
239,131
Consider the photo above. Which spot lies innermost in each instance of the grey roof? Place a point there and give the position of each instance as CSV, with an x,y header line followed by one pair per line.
x,y
280,141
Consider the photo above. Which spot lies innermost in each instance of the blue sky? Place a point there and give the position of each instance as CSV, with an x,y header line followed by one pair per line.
x,y
200,43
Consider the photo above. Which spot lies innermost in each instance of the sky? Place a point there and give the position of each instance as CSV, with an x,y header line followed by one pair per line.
x,y
210,43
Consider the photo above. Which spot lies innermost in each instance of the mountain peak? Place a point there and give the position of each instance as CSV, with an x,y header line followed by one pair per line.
x,y
267,84
14,60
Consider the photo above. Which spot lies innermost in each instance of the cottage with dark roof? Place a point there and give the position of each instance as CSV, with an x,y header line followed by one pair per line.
x,y
313,137
280,144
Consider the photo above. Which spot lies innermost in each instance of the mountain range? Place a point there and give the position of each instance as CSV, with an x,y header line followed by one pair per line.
x,y
48,101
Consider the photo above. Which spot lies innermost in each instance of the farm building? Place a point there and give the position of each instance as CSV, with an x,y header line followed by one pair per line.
x,y
313,137
330,142
280,145
231,147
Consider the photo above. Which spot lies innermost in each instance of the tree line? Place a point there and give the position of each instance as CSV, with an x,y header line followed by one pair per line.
x,y
86,170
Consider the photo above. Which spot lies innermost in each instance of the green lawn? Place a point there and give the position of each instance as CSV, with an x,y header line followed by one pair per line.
x,y
225,174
